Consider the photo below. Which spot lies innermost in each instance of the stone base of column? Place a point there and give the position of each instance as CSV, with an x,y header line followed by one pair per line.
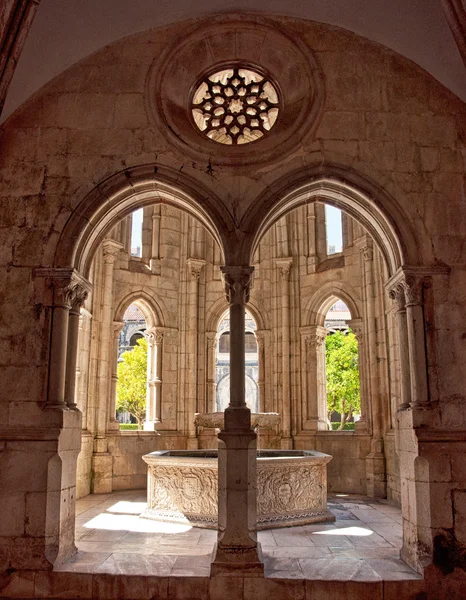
x,y
237,561
237,551
150,425
286,443
102,473
113,426
376,477
192,443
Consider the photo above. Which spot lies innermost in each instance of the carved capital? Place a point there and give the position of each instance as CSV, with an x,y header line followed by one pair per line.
x,y
111,249
211,339
315,338
284,267
154,336
238,283
367,252
195,266
69,288
356,327
413,286
260,339
397,294
117,327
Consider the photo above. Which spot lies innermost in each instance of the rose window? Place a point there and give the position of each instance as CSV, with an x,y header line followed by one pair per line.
x,y
235,106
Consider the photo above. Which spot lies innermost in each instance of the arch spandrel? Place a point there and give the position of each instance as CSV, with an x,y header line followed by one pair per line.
x,y
322,300
369,204
124,192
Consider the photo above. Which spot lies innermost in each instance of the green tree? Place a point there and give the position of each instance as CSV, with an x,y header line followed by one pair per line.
x,y
132,382
342,374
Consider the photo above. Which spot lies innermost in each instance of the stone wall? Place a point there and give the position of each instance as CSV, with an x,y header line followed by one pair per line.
x,y
386,135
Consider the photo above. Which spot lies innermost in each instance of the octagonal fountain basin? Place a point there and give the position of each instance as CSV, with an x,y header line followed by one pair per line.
x,y
291,487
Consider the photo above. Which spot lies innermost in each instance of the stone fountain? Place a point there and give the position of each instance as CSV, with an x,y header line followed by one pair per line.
x,y
291,484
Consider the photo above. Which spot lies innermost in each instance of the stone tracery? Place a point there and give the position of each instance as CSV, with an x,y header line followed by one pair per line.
x,y
235,106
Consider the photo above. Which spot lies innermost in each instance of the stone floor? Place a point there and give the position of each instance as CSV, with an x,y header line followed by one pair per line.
x,y
361,545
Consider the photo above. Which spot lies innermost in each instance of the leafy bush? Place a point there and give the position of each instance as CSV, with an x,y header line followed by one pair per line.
x,y
131,426
346,427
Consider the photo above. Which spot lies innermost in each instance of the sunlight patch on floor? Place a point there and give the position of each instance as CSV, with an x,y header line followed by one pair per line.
x,y
119,522
357,531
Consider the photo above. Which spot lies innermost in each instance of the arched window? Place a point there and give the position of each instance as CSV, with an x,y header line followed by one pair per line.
x,y
136,232
222,364
131,385
343,401
333,230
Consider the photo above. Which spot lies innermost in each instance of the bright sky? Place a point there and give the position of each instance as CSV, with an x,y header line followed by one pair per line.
x,y
136,231
334,232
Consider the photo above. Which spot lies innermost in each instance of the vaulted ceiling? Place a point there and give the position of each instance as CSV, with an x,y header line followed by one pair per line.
x,y
38,40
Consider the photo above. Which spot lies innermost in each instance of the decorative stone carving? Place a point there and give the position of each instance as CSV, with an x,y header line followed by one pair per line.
x,y
291,487
235,106
284,267
238,283
216,420
195,266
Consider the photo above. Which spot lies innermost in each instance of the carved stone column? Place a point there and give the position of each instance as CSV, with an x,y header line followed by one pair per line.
x,y
78,296
195,267
260,339
362,425
397,293
101,460
113,424
237,548
211,383
413,287
154,379
375,460
315,407
155,264
284,269
68,289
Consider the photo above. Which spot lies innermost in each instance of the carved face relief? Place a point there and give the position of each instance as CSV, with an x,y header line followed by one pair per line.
x,y
284,493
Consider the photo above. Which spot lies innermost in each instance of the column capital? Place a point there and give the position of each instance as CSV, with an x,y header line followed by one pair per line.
x,y
154,336
412,281
261,335
367,251
357,328
397,294
314,335
117,327
111,249
284,267
238,283
195,266
69,289
211,337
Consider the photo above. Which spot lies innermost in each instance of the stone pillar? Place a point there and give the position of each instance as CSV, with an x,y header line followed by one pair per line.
x,y
113,424
194,266
154,379
413,288
260,339
82,369
375,460
155,264
398,295
211,375
313,346
284,268
361,426
101,460
237,550
78,297
311,238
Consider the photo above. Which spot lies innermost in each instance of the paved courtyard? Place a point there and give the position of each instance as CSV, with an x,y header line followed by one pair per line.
x,y
363,544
